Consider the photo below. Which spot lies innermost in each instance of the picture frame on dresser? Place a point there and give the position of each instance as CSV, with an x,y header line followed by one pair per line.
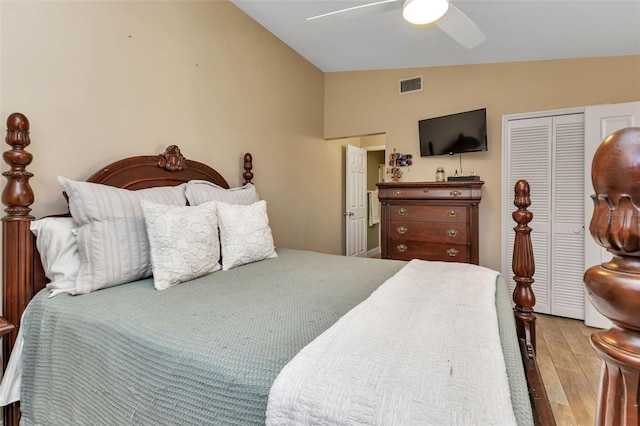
x,y
430,220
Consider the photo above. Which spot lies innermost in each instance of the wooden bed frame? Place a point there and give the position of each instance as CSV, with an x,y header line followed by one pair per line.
x,y
23,276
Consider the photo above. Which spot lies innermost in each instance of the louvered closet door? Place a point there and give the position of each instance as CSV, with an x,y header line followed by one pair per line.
x,y
529,157
549,153
567,248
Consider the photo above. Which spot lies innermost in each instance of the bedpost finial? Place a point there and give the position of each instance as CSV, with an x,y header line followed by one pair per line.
x,y
522,200
522,197
615,224
17,131
18,122
248,165
17,194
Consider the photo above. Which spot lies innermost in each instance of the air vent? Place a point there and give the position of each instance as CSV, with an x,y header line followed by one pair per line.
x,y
410,85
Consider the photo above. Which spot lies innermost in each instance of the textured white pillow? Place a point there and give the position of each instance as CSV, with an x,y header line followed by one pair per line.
x,y
202,191
56,244
112,239
245,234
184,242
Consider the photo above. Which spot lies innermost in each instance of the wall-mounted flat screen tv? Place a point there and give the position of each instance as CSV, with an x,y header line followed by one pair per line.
x,y
454,133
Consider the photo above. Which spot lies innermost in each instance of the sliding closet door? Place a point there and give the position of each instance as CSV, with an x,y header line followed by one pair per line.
x,y
549,153
529,157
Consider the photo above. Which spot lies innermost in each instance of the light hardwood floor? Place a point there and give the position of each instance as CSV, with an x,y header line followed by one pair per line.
x,y
570,369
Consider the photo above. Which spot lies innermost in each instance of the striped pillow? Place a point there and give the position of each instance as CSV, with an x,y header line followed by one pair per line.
x,y
112,239
202,191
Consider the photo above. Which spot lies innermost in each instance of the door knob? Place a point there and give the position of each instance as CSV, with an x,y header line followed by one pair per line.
x,y
348,214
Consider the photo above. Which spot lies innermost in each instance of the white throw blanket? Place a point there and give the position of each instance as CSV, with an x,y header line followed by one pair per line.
x,y
423,349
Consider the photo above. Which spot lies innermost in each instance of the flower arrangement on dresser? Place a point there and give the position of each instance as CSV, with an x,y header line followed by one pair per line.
x,y
396,161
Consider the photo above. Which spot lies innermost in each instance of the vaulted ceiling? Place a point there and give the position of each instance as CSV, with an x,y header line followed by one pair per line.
x,y
377,37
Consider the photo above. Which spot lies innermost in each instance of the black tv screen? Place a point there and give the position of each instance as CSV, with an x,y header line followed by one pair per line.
x,y
453,134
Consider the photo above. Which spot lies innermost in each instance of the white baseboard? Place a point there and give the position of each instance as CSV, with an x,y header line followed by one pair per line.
x,y
374,252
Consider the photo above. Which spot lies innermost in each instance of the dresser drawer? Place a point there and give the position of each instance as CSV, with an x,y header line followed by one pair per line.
x,y
422,213
428,232
419,193
407,250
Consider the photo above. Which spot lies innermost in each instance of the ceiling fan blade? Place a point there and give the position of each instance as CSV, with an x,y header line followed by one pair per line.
x,y
335,12
461,28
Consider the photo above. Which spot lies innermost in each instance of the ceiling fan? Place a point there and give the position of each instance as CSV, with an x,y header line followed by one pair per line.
x,y
449,18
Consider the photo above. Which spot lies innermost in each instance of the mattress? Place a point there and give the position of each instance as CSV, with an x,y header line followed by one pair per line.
x,y
204,352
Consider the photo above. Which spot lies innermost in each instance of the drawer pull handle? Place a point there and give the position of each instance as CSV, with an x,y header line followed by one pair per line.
x,y
398,193
402,230
452,232
402,211
453,213
452,252
402,248
455,193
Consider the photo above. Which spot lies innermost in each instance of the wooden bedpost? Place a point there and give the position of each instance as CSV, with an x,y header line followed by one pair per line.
x,y
17,240
524,300
614,287
247,166
523,267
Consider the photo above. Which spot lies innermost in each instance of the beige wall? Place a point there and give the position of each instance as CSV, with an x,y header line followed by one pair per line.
x,y
373,141
362,103
104,80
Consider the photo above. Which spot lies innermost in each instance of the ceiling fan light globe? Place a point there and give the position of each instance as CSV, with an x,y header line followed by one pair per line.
x,y
420,12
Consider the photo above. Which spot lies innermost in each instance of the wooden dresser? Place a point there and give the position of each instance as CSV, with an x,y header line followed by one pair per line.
x,y
430,220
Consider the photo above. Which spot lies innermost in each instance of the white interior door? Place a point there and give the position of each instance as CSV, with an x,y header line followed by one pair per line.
x,y
600,122
356,202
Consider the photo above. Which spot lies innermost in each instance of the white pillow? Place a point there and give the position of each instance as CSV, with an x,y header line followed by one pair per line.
x,y
112,239
245,235
202,191
56,244
184,242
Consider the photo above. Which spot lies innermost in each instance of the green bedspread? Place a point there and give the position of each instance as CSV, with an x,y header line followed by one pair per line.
x,y
203,352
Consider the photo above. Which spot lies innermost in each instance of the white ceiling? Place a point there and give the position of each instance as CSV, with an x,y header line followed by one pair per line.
x,y
517,30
